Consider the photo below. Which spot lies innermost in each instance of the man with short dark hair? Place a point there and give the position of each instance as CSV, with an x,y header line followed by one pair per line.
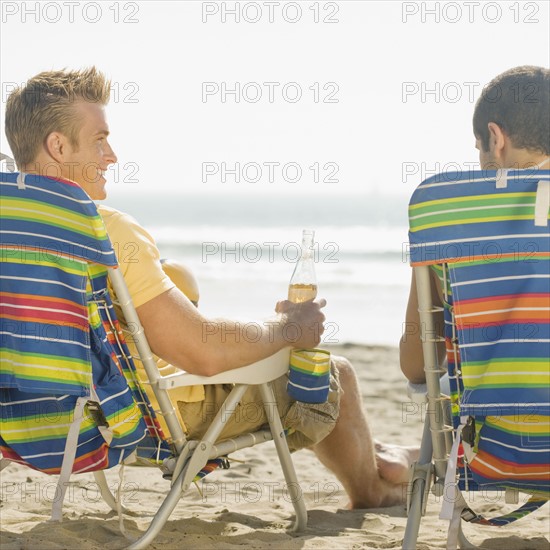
x,y
512,129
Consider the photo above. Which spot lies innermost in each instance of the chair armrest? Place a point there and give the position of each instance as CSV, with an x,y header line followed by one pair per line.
x,y
263,371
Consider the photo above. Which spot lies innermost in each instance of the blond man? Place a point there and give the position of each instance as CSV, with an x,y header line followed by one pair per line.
x,y
56,126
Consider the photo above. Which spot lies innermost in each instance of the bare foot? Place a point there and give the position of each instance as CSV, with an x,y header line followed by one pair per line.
x,y
386,495
393,461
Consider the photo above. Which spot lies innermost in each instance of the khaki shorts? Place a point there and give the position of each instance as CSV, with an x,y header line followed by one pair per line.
x,y
310,423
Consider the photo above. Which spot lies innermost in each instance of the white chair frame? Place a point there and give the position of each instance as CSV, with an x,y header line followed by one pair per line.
x,y
193,455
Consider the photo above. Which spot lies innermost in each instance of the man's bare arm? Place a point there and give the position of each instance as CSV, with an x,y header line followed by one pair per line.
x,y
411,355
178,333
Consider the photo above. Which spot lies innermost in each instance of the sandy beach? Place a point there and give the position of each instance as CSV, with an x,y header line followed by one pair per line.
x,y
247,506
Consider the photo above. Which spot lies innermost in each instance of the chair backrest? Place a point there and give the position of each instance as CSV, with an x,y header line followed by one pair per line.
x,y
489,233
59,335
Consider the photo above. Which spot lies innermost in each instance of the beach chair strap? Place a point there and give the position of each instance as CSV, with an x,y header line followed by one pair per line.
x,y
68,459
119,507
461,510
534,503
456,508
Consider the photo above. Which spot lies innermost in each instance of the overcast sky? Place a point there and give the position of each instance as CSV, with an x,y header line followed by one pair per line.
x,y
325,97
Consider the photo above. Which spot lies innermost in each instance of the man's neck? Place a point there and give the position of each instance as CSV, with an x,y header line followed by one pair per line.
x,y
40,166
525,159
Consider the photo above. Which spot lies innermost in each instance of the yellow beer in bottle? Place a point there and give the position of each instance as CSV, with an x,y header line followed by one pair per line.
x,y
299,293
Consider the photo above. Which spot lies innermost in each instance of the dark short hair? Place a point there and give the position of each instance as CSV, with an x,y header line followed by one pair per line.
x,y
518,100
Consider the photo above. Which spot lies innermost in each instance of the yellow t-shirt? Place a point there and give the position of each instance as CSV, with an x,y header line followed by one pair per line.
x,y
139,262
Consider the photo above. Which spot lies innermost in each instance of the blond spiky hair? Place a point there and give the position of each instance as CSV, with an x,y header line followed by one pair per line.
x,y
45,104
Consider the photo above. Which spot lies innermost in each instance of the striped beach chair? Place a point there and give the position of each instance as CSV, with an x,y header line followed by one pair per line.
x,y
486,236
69,401
70,398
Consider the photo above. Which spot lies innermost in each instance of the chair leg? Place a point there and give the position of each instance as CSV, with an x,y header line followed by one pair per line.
x,y
197,459
414,515
417,489
202,451
200,456
285,460
463,542
162,515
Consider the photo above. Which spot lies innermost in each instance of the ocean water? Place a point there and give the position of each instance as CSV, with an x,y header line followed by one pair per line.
x,y
242,250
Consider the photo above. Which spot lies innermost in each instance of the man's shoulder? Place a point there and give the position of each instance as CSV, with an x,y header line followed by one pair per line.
x,y
109,211
122,226
110,214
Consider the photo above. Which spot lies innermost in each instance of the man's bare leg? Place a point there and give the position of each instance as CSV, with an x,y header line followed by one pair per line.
x,y
394,461
349,452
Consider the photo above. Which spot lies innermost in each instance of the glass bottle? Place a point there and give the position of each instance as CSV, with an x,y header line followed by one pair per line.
x,y
303,283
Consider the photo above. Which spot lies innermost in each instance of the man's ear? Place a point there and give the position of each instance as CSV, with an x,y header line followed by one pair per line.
x,y
56,145
497,138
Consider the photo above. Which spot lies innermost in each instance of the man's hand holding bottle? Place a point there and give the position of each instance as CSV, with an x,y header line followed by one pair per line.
x,y
302,322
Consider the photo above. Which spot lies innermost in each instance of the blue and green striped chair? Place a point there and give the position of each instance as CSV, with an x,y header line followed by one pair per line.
x,y
69,398
485,234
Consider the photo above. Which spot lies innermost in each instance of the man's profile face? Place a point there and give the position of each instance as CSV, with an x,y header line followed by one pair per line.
x,y
86,163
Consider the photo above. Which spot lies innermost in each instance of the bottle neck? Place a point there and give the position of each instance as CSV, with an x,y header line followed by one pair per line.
x,y
307,243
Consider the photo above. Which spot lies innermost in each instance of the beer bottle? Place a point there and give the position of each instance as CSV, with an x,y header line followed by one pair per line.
x,y
303,283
